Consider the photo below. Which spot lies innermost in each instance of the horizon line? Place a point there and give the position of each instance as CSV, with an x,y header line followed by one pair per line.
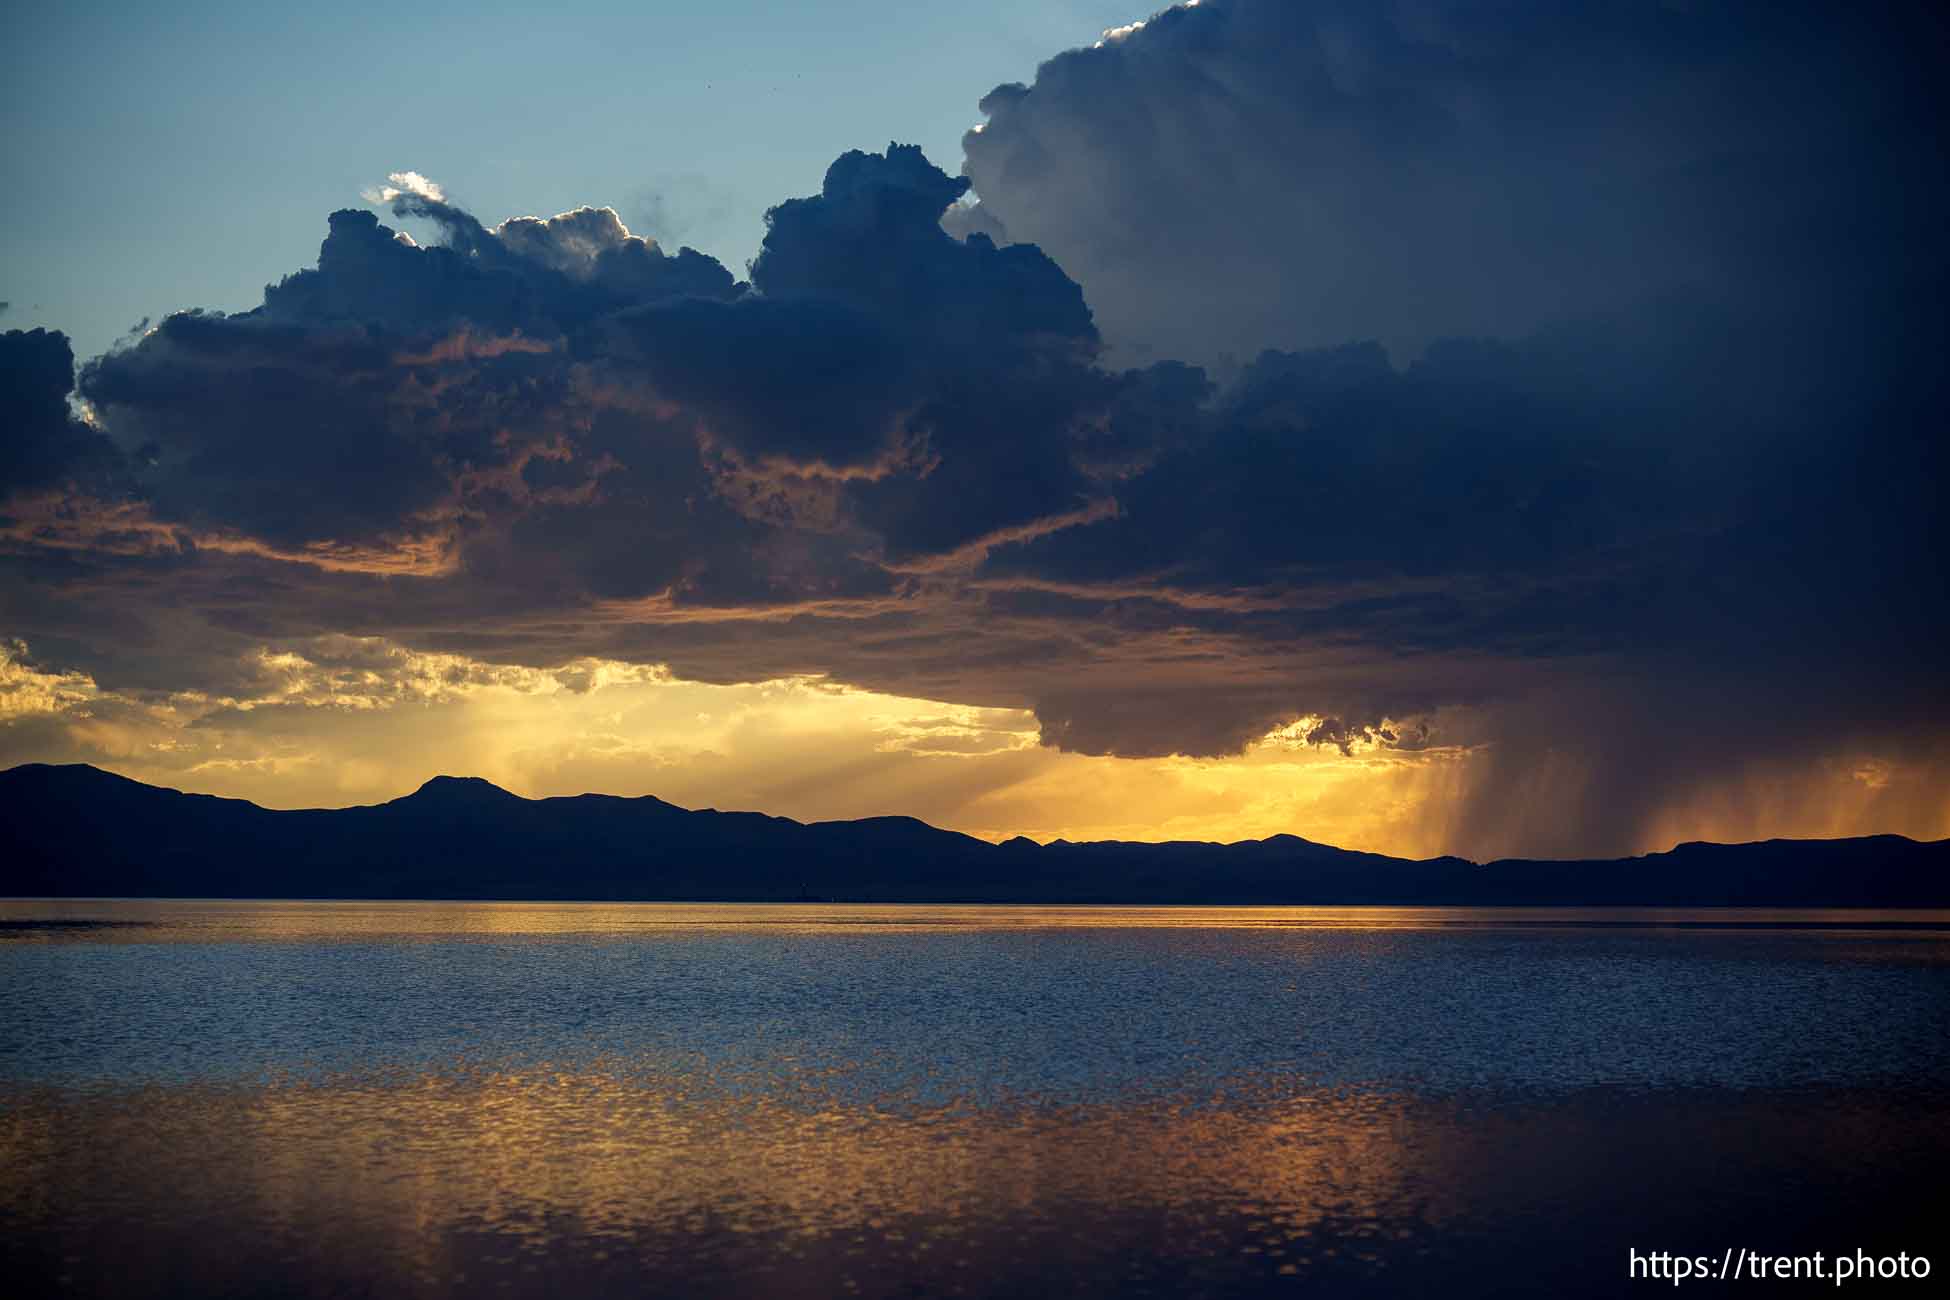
x,y
995,843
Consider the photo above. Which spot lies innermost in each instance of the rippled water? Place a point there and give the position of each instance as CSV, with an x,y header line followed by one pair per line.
x,y
428,1099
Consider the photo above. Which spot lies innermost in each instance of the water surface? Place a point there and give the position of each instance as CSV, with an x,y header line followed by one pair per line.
x,y
220,1098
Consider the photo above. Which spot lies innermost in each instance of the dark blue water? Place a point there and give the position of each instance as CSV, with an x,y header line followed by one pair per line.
x,y
210,1098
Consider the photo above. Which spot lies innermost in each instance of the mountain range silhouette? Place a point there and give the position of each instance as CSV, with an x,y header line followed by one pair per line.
x,y
77,831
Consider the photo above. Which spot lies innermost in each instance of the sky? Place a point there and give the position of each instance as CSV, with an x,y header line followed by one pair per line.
x,y
164,157
1415,425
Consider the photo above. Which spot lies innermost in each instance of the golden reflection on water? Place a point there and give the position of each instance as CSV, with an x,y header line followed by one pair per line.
x,y
588,1183
607,1168
204,920
504,1148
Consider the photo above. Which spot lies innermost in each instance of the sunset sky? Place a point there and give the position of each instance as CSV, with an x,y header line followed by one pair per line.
x,y
1416,426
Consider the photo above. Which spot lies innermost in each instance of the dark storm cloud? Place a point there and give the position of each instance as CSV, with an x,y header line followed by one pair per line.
x,y
1681,470
1296,173
870,239
916,392
1750,499
42,444
390,392
816,385
950,387
1333,462
291,433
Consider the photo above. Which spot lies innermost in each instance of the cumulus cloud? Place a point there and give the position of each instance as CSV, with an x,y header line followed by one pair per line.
x,y
550,416
404,185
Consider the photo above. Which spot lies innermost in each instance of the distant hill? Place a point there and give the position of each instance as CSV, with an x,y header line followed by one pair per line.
x,y
77,831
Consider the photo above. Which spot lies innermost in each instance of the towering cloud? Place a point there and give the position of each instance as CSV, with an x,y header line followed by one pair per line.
x,y
1242,174
1695,474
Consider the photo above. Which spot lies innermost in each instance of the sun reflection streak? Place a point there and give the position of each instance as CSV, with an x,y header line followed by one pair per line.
x,y
538,1160
554,1181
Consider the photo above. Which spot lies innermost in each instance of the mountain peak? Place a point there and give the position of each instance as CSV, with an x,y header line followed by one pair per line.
x,y
463,789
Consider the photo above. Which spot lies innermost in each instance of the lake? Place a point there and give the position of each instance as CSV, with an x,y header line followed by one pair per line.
x,y
425,1099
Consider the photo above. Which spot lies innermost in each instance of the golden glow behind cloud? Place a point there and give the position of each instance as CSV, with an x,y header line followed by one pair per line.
x,y
342,720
